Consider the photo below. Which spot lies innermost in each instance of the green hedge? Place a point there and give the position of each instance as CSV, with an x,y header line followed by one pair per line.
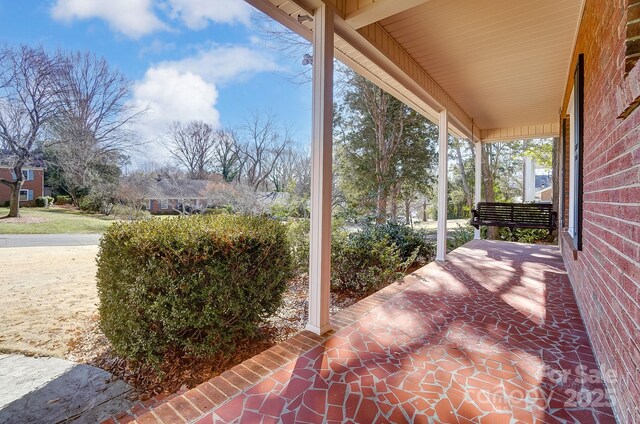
x,y
524,235
363,264
190,285
409,241
42,202
62,199
367,259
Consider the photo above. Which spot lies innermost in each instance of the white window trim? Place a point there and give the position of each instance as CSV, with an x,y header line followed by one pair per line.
x,y
26,199
164,204
28,174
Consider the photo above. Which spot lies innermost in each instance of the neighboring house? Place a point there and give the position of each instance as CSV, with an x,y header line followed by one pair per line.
x,y
544,195
166,194
544,188
32,187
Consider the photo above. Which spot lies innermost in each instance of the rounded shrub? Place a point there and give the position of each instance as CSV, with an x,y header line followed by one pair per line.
x,y
409,241
62,199
363,264
42,202
190,285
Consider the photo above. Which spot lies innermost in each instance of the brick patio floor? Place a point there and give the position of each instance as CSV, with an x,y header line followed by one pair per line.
x,y
494,335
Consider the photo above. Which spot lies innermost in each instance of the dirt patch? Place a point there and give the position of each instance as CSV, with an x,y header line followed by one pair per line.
x,y
48,296
48,307
23,220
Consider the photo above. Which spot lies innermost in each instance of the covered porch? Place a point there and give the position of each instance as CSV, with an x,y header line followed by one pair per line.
x,y
485,71
494,335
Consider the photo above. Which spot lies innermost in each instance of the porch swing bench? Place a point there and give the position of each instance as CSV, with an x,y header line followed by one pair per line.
x,y
514,215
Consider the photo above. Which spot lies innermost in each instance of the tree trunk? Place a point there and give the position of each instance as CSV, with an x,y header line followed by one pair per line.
x,y
394,203
381,205
488,186
407,211
465,184
14,207
424,209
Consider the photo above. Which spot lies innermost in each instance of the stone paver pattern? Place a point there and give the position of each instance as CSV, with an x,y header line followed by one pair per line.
x,y
493,335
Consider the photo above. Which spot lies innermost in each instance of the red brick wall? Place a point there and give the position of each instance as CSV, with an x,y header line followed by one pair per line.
x,y
606,273
37,185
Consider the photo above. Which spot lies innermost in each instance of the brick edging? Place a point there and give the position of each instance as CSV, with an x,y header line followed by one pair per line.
x,y
190,405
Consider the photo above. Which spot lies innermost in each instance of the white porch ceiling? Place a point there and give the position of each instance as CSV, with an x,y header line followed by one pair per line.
x,y
502,63
505,62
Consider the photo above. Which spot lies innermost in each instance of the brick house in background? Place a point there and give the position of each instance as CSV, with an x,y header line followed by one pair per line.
x,y
32,187
165,194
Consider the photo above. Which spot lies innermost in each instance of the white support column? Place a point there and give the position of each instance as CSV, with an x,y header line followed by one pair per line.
x,y
529,176
443,171
321,172
478,182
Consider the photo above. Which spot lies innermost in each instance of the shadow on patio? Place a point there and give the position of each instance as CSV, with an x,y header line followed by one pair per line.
x,y
493,335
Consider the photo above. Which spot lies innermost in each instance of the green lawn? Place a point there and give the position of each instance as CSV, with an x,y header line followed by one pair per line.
x,y
57,221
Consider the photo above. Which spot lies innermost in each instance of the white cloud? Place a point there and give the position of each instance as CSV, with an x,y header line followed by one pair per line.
x,y
171,95
133,18
196,14
222,64
187,89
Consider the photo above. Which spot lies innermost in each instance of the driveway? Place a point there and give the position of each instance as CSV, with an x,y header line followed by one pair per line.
x,y
34,240
52,390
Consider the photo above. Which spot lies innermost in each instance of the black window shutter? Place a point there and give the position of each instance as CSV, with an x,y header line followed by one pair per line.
x,y
578,146
563,176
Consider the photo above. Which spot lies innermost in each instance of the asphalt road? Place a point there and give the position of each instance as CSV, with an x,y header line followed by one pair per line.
x,y
31,240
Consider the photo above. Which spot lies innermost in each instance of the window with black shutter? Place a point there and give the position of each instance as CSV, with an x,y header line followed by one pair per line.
x,y
578,150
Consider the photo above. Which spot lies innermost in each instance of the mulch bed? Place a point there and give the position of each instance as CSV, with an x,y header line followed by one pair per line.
x,y
92,347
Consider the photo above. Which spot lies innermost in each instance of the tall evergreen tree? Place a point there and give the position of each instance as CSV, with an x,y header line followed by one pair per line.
x,y
385,149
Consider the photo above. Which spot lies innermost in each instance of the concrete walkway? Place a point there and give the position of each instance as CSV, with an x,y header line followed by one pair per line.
x,y
51,390
35,240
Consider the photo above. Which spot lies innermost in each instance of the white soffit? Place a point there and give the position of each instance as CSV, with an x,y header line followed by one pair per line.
x,y
505,62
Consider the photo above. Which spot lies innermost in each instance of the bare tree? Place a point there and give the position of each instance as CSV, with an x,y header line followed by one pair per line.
x,y
262,147
193,145
132,193
28,103
241,198
94,119
292,172
228,159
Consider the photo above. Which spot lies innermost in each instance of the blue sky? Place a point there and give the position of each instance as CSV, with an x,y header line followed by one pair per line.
x,y
187,59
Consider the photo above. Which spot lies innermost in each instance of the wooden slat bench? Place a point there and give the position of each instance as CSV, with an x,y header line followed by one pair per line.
x,y
514,215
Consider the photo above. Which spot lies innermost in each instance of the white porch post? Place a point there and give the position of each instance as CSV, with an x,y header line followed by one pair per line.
x,y
529,177
443,141
478,186
321,173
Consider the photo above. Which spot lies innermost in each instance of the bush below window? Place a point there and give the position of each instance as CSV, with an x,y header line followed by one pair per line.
x,y
191,285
